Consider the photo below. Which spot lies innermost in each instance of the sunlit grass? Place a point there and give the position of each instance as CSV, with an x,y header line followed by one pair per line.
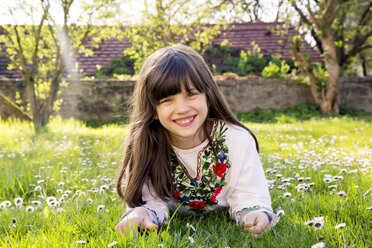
x,y
309,165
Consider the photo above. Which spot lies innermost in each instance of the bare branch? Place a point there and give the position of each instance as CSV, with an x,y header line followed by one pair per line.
x,y
312,17
35,61
312,30
363,48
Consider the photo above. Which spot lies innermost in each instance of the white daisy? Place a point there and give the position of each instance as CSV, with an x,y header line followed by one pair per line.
x,y
30,209
5,204
112,244
100,208
342,225
318,223
50,199
318,245
18,201
341,193
280,213
287,194
191,239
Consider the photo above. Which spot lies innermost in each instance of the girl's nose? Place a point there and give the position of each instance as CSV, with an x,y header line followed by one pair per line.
x,y
182,105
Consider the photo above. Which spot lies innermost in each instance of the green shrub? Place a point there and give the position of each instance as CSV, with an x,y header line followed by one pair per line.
x,y
275,71
118,66
244,62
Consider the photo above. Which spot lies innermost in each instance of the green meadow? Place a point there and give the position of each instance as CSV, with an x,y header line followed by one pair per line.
x,y
57,187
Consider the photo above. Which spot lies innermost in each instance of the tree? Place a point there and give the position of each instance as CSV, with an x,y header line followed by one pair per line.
x,y
250,10
170,22
341,30
42,52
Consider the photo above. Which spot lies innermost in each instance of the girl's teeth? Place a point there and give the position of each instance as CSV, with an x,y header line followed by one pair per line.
x,y
185,121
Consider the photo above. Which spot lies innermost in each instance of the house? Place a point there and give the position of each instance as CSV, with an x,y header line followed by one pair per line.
x,y
239,35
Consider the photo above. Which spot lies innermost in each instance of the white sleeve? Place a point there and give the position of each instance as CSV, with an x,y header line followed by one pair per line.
x,y
250,192
157,209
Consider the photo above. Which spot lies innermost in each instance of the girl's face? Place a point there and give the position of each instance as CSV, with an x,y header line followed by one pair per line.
x,y
183,116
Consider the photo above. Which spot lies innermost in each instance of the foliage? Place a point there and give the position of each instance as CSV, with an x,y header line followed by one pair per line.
x,y
341,31
301,112
42,52
275,71
167,23
117,66
244,62
77,165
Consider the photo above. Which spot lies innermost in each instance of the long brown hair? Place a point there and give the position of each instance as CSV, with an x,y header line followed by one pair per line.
x,y
148,149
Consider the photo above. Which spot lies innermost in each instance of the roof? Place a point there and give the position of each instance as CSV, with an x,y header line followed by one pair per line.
x,y
239,35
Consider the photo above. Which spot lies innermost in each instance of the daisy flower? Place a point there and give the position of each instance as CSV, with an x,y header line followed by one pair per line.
x,y
18,201
318,245
341,193
112,244
100,208
342,225
191,239
30,209
318,223
5,204
280,213
287,194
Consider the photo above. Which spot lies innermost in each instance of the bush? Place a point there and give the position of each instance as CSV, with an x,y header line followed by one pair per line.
x,y
117,66
275,71
228,59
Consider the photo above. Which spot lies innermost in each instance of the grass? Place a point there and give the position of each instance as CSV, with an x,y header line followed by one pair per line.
x,y
302,158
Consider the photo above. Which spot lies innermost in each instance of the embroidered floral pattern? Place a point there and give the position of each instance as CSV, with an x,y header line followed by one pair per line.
x,y
202,190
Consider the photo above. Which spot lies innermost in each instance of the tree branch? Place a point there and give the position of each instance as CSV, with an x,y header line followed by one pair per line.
x,y
35,61
15,109
312,30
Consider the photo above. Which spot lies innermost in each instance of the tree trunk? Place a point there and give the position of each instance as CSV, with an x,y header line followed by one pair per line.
x,y
34,104
330,102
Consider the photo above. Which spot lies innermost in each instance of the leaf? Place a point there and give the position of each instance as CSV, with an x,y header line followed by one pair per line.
x,y
165,236
46,211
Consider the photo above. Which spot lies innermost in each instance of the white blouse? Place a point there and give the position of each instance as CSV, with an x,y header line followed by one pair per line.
x,y
245,191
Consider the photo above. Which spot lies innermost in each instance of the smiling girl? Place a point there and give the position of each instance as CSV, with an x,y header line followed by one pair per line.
x,y
186,146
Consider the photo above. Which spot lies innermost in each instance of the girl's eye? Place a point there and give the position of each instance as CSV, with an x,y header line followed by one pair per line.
x,y
165,100
192,94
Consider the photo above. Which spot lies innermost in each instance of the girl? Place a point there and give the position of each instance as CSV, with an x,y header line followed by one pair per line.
x,y
185,145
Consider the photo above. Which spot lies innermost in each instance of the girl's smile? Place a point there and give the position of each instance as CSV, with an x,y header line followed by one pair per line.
x,y
184,122
183,116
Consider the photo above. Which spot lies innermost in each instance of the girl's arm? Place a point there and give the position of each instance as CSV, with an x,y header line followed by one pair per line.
x,y
156,209
250,195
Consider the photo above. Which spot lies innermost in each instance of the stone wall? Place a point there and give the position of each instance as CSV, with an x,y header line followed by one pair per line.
x,y
103,100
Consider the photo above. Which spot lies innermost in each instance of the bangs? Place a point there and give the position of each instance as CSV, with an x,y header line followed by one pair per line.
x,y
171,77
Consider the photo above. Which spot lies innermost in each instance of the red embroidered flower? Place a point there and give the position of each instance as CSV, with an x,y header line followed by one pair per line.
x,y
219,169
177,194
216,193
196,204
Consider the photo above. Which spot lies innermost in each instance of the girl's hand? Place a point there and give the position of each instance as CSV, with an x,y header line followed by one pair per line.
x,y
137,218
257,223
